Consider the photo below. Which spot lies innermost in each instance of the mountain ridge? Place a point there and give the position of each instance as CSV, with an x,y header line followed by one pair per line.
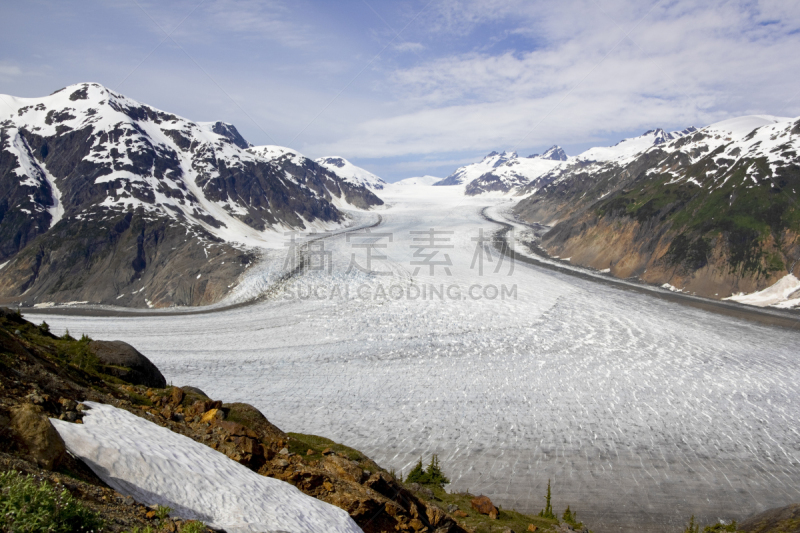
x,y
712,212
104,197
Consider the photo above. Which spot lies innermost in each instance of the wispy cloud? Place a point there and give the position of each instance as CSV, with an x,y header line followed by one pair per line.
x,y
7,69
683,64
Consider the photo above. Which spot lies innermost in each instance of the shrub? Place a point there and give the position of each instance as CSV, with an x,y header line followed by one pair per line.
x,y
162,512
27,507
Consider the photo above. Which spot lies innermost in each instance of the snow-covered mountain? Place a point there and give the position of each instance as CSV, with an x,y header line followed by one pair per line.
x,y
505,172
712,211
116,194
628,148
467,173
352,173
555,153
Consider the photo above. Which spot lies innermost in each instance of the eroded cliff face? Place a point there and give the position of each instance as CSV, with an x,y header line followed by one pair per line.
x,y
713,213
628,248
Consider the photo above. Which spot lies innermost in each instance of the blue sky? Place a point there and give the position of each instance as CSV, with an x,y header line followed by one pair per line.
x,y
418,87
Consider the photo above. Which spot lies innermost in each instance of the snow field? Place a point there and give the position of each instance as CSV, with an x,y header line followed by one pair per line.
x,y
157,466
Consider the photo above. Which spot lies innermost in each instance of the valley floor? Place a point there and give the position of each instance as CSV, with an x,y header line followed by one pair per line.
x,y
640,410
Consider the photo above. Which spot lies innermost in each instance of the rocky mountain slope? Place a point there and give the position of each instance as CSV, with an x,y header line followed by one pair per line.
x,y
711,211
107,200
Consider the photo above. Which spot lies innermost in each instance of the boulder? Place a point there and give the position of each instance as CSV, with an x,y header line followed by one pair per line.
x,y
253,419
36,435
532,528
484,505
122,360
176,397
194,390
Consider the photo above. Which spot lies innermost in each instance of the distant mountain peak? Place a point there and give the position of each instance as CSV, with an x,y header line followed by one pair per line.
x,y
555,153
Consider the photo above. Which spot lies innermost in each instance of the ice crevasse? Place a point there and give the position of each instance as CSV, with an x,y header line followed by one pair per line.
x,y
159,467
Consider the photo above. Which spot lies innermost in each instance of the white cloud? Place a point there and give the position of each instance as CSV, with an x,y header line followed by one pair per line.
x,y
679,64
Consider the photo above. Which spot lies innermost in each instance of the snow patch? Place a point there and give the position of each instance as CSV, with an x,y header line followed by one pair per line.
x,y
776,295
159,467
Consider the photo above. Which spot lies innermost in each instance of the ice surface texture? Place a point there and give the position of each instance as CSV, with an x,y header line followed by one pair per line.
x,y
156,466
642,412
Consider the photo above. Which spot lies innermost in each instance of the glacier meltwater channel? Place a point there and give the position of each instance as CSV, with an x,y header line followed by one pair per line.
x,y
641,412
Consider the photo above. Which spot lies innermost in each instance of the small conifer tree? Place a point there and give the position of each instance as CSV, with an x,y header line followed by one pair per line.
x,y
434,474
417,474
547,512
692,527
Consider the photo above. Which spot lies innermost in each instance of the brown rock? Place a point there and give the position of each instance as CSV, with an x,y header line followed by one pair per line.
x,y
37,436
327,451
68,405
416,524
310,452
532,528
460,514
435,515
202,406
177,396
342,467
212,415
484,505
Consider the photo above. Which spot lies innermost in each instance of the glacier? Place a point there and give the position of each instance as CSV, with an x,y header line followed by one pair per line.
x,y
640,411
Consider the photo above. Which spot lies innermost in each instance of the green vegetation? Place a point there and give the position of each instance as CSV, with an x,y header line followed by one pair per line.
x,y
300,444
690,254
547,512
28,506
146,529
479,523
692,527
746,216
432,476
193,526
162,512
571,518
